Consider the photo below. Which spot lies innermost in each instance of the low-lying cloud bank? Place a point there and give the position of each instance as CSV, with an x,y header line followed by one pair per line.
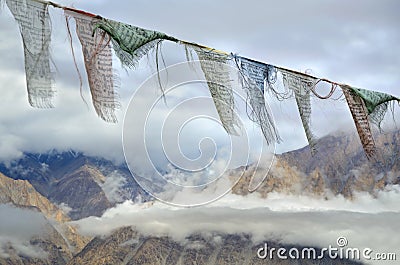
x,y
17,228
365,222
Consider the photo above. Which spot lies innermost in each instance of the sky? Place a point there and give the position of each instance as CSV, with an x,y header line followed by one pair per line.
x,y
351,43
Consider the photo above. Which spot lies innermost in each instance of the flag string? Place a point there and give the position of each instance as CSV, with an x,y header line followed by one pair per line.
x,y
99,35
333,83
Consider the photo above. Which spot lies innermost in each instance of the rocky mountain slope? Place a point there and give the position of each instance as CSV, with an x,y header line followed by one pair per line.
x,y
59,240
125,246
339,167
50,242
85,185
69,186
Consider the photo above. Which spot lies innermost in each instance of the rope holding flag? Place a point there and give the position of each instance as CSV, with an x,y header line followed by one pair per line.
x,y
99,35
97,54
34,23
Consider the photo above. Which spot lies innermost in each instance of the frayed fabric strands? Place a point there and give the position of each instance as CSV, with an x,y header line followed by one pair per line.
x,y
131,43
35,26
375,102
260,115
301,86
97,54
359,112
253,76
218,79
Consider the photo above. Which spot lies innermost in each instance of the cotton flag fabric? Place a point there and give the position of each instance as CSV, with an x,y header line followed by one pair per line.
x,y
131,43
301,85
34,23
260,115
97,54
214,66
98,36
359,113
254,75
375,102
262,74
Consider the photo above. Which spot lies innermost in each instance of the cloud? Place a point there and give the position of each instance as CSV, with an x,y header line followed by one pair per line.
x,y
326,37
64,207
17,227
365,221
112,186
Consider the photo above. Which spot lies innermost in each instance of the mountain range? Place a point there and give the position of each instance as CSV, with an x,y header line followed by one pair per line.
x,y
66,186
339,167
87,186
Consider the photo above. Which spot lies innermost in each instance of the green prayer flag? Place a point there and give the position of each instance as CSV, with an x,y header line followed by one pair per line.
x,y
373,99
375,102
129,42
